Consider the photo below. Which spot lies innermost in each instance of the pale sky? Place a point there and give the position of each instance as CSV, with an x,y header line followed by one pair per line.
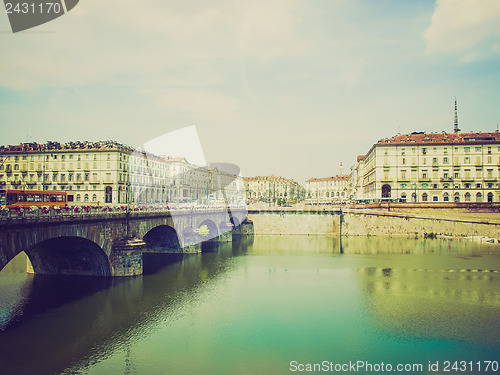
x,y
275,86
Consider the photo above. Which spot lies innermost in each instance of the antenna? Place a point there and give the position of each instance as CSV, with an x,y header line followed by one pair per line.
x,y
455,127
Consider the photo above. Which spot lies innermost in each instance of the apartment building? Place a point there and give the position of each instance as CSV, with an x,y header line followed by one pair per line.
x,y
435,167
110,172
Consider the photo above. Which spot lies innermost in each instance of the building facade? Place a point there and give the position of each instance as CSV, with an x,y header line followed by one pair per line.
x,y
272,188
328,189
436,167
111,173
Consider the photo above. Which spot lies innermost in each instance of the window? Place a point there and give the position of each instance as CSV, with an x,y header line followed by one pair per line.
x,y
467,150
479,197
446,197
424,151
467,197
445,160
86,198
435,198
478,149
424,197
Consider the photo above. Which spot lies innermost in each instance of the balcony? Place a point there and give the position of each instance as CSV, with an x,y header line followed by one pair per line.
x,y
78,182
425,179
467,178
2,183
94,182
62,182
490,179
15,182
31,183
403,179
386,179
108,182
446,178
47,183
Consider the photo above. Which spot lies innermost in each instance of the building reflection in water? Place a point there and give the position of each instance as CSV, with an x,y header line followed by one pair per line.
x,y
91,317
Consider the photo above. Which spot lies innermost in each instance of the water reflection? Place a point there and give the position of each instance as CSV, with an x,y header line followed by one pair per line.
x,y
286,297
84,319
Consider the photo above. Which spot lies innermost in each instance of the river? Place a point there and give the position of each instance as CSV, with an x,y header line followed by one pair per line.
x,y
272,305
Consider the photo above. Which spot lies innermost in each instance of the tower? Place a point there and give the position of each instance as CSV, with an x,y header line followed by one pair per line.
x,y
455,123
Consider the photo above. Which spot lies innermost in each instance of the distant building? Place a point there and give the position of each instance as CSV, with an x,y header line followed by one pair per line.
x,y
355,179
272,188
436,167
109,172
328,189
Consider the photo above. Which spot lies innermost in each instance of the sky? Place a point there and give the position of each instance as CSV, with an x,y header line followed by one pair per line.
x,y
284,87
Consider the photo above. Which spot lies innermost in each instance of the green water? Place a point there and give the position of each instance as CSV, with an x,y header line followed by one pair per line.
x,y
268,307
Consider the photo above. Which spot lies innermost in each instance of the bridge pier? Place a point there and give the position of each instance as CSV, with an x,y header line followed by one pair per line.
x,y
246,228
126,257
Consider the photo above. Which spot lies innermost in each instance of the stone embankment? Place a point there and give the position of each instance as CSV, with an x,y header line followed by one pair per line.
x,y
379,221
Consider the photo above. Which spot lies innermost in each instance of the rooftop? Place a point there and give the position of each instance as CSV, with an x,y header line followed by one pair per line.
x,y
421,138
333,178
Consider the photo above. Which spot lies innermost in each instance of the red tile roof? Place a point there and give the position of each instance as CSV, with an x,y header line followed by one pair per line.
x,y
420,138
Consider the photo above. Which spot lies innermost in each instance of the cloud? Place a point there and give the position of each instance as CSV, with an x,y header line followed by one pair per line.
x,y
268,29
197,102
465,26
162,42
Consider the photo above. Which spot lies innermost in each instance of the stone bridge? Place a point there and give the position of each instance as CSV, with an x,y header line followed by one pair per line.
x,y
112,243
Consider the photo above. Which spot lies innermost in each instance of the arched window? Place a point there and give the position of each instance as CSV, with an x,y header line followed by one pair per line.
x,y
467,197
424,197
479,197
386,191
403,197
86,198
490,197
78,197
457,197
413,197
446,197
94,197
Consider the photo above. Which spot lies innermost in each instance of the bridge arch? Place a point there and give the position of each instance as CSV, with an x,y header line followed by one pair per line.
x,y
213,231
69,255
162,238
236,223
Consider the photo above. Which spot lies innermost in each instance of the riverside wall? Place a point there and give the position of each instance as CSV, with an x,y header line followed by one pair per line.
x,y
372,223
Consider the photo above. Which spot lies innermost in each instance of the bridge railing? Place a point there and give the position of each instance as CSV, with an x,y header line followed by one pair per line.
x,y
21,212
